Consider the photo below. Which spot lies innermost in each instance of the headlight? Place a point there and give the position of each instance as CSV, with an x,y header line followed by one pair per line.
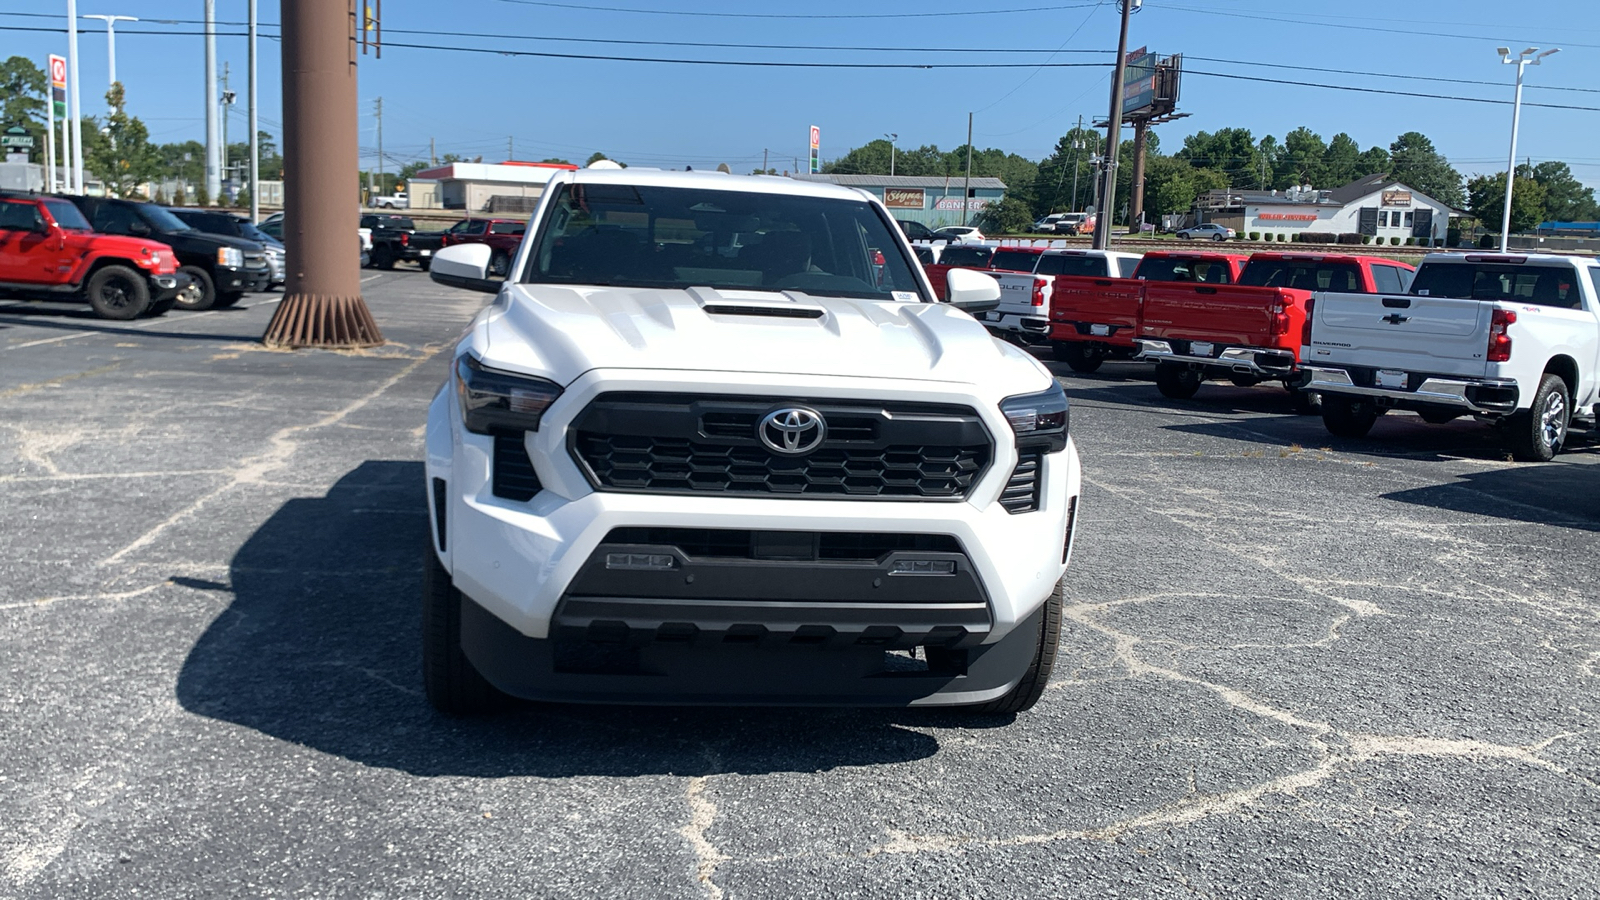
x,y
492,400
230,256
1040,418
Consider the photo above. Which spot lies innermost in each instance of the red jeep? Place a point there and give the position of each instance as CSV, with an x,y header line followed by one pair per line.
x,y
47,248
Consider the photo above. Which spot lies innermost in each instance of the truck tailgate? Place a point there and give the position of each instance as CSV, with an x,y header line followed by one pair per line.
x,y
1222,314
1081,303
1017,294
1415,333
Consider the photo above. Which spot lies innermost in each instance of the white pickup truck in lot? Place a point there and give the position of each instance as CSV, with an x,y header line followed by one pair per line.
x,y
1027,278
1512,339
706,446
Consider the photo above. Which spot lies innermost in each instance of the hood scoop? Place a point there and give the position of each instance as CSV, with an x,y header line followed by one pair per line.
x,y
770,304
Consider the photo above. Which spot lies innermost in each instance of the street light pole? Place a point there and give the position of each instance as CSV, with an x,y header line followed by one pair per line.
x,y
74,102
892,138
255,127
1521,61
111,39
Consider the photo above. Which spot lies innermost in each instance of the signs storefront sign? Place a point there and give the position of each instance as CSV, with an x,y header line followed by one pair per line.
x,y
58,85
1288,217
905,198
1396,198
954,203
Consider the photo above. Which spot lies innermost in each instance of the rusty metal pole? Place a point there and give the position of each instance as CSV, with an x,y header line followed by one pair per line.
x,y
1141,127
322,305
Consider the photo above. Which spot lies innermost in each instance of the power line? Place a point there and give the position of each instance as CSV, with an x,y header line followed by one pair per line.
x,y
1367,90
727,15
751,63
1409,32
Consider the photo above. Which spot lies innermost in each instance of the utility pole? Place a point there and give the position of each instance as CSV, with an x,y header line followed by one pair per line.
x,y
74,106
1077,144
511,152
213,157
966,188
111,40
255,127
322,305
226,100
1102,226
1141,128
382,186
763,160
433,158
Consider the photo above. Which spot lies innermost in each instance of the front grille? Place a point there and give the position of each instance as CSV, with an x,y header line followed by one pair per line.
x,y
255,259
513,477
1021,493
688,444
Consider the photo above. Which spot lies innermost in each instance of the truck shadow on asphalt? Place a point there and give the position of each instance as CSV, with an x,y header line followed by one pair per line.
x,y
1566,495
76,323
320,647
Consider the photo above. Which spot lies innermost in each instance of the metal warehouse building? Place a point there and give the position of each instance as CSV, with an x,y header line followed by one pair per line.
x,y
935,201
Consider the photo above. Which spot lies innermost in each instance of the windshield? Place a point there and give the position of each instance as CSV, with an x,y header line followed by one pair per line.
x,y
676,238
253,233
1304,275
965,256
1540,285
160,219
1178,268
67,215
1072,264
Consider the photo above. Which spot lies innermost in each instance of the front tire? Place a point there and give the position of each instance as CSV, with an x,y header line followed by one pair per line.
x,y
499,264
228,298
1537,433
1027,692
453,685
201,292
382,258
118,292
1348,417
1177,382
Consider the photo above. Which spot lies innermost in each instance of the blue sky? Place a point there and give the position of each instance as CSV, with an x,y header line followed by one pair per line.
x,y
676,115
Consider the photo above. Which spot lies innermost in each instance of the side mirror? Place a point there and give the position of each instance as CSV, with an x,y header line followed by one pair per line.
x,y
465,266
138,227
40,226
971,291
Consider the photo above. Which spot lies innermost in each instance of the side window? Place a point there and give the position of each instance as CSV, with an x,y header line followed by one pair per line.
x,y
476,227
18,216
457,228
369,222
114,218
1126,266
1406,277
1594,279
1386,280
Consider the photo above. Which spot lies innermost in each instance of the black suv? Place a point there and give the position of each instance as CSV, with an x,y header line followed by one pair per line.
x,y
221,268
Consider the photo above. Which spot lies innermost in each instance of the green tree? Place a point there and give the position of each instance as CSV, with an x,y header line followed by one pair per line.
x,y
1009,215
1053,186
1232,151
1487,201
1373,162
557,161
179,196
1565,197
1302,161
1271,160
241,200
22,95
125,159
593,158
202,197
1341,162
1417,164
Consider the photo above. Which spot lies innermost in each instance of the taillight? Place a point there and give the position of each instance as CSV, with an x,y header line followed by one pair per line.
x,y
1038,290
1499,340
405,239
1280,321
1305,327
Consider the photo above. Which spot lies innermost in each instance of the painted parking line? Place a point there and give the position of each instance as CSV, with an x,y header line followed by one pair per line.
x,y
149,323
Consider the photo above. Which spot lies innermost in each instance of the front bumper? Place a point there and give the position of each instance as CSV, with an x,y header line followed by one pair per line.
x,y
1483,396
522,564
229,279
1266,362
166,287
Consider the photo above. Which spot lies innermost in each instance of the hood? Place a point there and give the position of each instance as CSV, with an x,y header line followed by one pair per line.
x,y
205,240
120,245
561,332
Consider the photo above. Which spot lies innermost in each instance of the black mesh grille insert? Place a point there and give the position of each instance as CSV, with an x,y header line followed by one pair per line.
x,y
678,443
732,543
1021,493
514,478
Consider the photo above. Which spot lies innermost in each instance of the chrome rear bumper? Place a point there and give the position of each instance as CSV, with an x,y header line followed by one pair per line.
x,y
1268,362
1462,393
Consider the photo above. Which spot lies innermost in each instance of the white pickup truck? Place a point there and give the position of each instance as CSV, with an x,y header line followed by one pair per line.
x,y
1512,339
1027,275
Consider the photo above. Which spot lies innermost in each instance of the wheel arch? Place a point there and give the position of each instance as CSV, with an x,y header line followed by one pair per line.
x,y
101,262
1565,368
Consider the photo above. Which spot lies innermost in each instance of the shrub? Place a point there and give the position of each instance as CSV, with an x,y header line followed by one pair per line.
x,y
1283,238
1410,241
1255,235
1350,237
1366,239
1452,237
1486,242
178,197
1318,237
1394,242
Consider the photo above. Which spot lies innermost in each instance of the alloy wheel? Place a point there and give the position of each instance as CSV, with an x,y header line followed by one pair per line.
x,y
1553,420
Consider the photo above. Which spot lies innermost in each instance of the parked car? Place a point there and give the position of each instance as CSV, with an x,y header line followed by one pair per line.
x,y
232,225
1028,276
956,256
47,248
1512,339
758,478
272,226
390,201
396,239
1252,331
915,231
959,234
1094,318
221,269
1047,224
1208,231
1074,223
504,235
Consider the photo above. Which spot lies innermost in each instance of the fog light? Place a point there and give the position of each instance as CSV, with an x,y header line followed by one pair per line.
x,y
923,567
639,561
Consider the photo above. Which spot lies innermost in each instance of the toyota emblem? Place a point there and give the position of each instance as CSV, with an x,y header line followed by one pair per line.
x,y
792,431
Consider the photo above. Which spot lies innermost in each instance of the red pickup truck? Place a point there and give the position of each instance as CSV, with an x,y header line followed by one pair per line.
x,y
48,248
1251,331
1093,319
957,256
504,235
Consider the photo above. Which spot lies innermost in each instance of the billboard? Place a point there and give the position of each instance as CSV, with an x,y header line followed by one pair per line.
x,y
1138,81
816,150
905,198
58,85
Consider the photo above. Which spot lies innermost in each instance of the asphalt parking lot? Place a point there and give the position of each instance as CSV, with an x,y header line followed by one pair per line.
x,y
1294,666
